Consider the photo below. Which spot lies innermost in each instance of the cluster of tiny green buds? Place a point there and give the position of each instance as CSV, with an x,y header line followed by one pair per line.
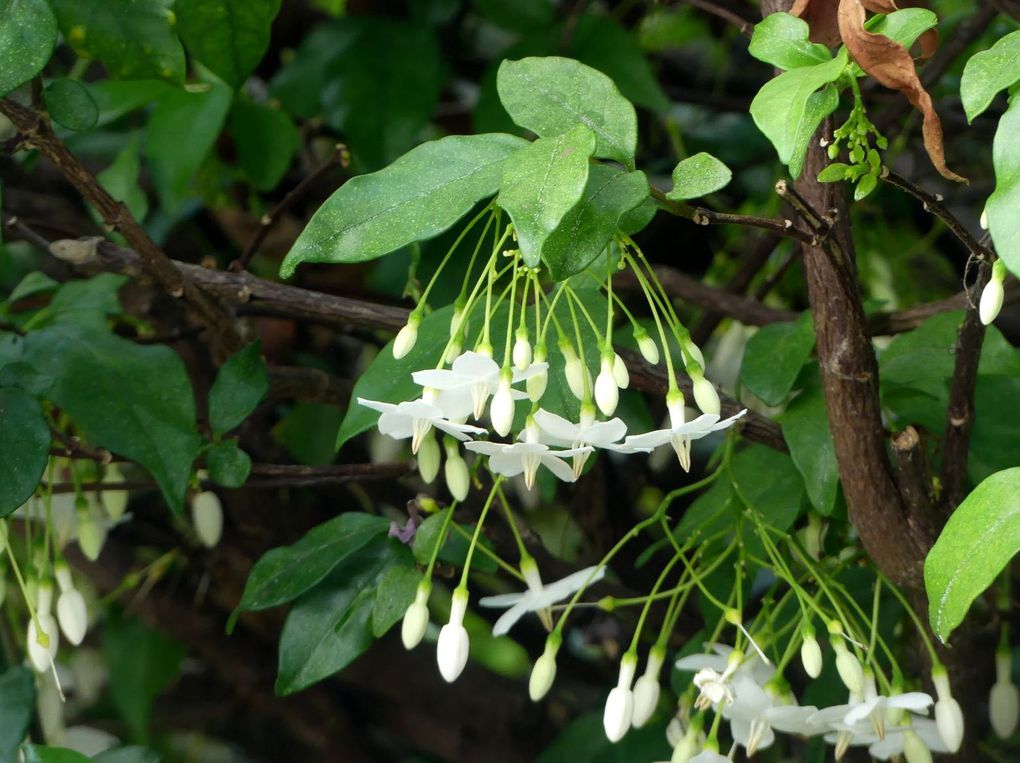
x,y
865,165
993,294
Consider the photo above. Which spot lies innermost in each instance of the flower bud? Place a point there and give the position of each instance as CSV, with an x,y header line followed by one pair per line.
x,y
647,689
501,410
458,478
694,352
207,518
607,394
619,709
620,373
71,612
536,383
948,715
705,396
407,336
428,459
991,301
848,666
687,747
914,749
983,221
453,647
114,501
1004,700
647,346
810,653
574,370
458,324
90,537
416,618
522,351
41,655
544,672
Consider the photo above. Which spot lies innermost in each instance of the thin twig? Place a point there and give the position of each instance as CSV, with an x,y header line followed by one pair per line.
x,y
340,157
745,25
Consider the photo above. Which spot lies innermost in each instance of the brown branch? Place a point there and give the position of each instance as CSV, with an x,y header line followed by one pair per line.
x,y
39,134
960,412
311,385
933,203
913,478
340,157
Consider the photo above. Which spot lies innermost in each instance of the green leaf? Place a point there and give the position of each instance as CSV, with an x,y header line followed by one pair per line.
x,y
89,301
773,358
300,82
380,91
778,498
228,36
455,546
23,376
284,573
988,72
834,173
586,230
266,141
34,283
330,626
979,540
518,16
134,40
543,183
28,32
182,130
240,385
141,662
35,753
135,400
17,706
70,104
584,740
697,176
120,179
129,754
903,26
782,111
228,465
782,40
806,429
552,95
1003,220
418,196
819,106
395,593
24,447
308,432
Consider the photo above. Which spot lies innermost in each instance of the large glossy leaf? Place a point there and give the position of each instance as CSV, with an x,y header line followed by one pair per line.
x,y
24,447
903,26
419,196
988,72
774,356
782,40
70,104
330,626
134,39
542,184
551,95
780,107
698,175
129,754
37,753
28,32
134,399
240,385
819,106
982,535
585,230
266,141
1002,206
394,595
283,574
228,36
806,429
17,704
778,497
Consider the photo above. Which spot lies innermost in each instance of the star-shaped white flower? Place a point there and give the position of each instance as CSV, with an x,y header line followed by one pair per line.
x,y
755,714
719,659
875,707
525,458
465,387
680,432
921,731
556,430
538,596
414,419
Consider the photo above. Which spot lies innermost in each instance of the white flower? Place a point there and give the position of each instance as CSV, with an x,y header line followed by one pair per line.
x,y
607,394
843,734
1004,699
754,714
719,660
874,708
42,655
539,596
464,388
680,432
415,419
710,756
453,646
916,741
525,458
558,431
619,709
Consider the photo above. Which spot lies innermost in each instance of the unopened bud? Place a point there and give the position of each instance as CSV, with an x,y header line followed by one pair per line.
x,y
428,459
207,518
993,294
948,715
453,647
522,351
607,394
810,653
458,478
416,618
544,672
501,410
647,689
90,537
573,370
705,396
537,382
619,710
848,667
620,372
407,336
1004,700
649,349
114,501
914,748
983,222
42,642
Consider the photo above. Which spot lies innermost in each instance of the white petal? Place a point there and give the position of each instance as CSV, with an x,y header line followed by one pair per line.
x,y
557,427
506,621
917,701
396,425
695,662
439,378
648,440
509,465
562,470
561,589
476,366
502,600
377,405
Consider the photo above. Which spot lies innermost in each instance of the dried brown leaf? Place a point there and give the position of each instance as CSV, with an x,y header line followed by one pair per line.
x,y
821,18
891,64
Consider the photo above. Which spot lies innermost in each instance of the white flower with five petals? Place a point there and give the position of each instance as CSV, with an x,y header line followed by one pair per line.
x,y
414,419
465,387
511,459
680,432
538,597
556,430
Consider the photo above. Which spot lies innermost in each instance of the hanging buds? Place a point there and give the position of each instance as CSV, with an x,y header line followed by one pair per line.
x,y
607,394
914,748
522,350
452,649
647,689
1004,700
90,537
501,410
619,709
428,459
574,369
536,383
544,672
620,373
847,665
416,618
647,346
71,612
705,396
407,336
458,478
948,715
993,294
810,652
114,501
42,641
207,518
